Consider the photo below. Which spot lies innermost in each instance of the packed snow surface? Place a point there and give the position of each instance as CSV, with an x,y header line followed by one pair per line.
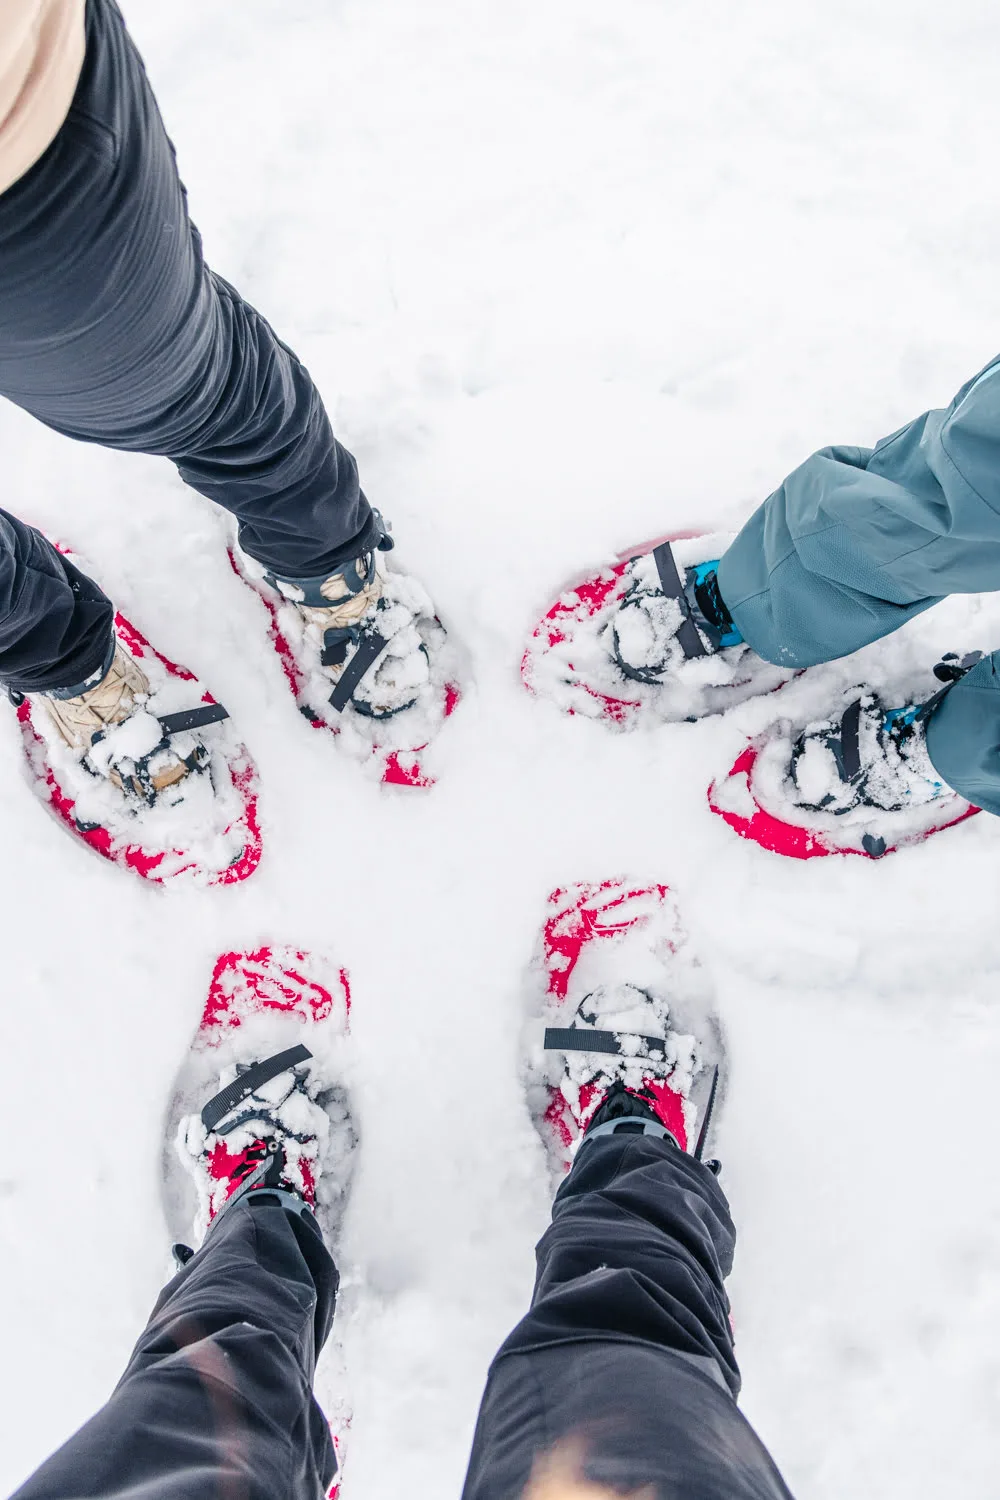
x,y
569,275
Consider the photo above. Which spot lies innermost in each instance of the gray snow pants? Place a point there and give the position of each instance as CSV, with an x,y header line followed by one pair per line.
x,y
626,1357
857,541
114,331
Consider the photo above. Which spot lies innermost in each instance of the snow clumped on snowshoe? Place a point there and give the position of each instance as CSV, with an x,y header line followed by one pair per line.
x,y
366,657
262,1099
648,638
858,781
624,1005
147,769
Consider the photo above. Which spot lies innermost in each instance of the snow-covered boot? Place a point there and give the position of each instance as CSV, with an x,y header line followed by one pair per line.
x,y
115,735
630,1029
871,757
860,780
276,1123
365,655
145,767
648,638
266,1077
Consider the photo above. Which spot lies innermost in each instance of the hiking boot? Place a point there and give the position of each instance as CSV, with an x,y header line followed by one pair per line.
x,y
858,781
626,1060
361,630
650,637
669,617
871,757
115,735
276,1125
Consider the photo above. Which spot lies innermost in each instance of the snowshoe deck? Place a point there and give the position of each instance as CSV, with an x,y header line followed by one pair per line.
x,y
736,800
229,852
606,935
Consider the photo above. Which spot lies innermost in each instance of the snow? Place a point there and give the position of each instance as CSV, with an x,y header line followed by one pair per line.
x,y
569,276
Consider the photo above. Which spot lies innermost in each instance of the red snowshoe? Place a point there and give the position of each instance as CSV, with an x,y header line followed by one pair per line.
x,y
647,639
202,827
261,1104
624,1005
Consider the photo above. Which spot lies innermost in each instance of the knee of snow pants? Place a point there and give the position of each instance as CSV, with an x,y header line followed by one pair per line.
x,y
963,735
217,1397
858,541
623,1370
114,331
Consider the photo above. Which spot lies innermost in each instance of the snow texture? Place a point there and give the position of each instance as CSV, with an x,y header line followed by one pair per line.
x,y
569,275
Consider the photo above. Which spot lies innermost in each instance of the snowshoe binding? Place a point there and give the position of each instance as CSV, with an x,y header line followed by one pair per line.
x,y
626,1026
143,765
858,782
648,638
366,657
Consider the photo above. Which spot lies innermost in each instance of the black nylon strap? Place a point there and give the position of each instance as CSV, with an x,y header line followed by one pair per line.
x,y
193,718
368,652
706,1124
850,747
247,1083
688,638
576,1039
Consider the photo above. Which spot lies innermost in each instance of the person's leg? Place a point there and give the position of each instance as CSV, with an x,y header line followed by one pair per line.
x,y
858,541
56,625
623,1372
216,1402
963,735
114,331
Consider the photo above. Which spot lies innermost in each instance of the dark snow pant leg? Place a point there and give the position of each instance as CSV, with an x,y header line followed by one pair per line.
x,y
216,1402
114,331
858,541
55,623
623,1370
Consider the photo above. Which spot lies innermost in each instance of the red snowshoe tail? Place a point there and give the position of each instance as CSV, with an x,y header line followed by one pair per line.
x,y
583,915
556,628
270,979
239,834
735,800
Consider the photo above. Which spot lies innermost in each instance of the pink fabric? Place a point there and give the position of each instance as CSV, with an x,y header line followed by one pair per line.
x,y
41,54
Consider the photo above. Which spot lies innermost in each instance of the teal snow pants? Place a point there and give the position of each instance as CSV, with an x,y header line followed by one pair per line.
x,y
857,541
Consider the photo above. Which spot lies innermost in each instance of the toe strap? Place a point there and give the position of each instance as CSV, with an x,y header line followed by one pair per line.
x,y
249,1082
579,1039
193,718
370,648
688,637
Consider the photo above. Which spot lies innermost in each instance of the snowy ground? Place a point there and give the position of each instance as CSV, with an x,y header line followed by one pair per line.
x,y
569,274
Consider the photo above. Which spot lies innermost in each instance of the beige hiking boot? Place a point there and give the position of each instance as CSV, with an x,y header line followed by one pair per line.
x,y
87,717
347,605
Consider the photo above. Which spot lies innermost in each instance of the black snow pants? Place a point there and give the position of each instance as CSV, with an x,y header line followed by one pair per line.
x,y
114,331
625,1360
624,1367
216,1402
